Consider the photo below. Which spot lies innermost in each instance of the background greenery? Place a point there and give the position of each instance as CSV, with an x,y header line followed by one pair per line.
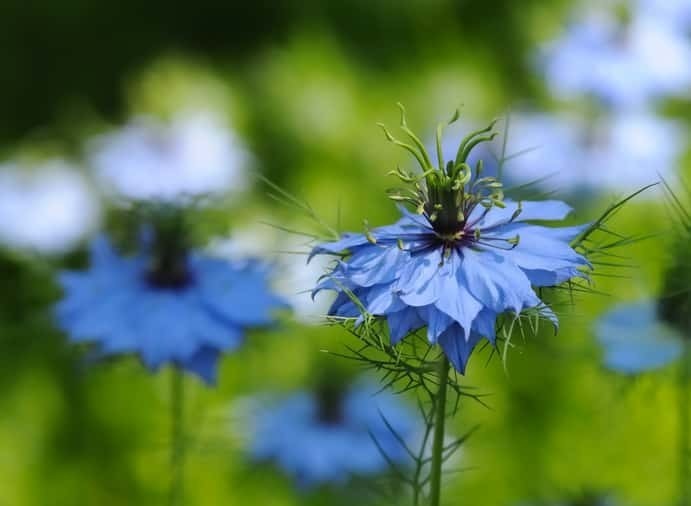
x,y
304,83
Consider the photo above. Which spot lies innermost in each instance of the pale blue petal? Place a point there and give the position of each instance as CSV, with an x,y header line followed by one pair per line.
x,y
456,348
485,325
556,277
418,284
437,321
536,250
495,281
456,301
376,264
239,294
545,210
402,323
635,341
346,243
381,300
204,363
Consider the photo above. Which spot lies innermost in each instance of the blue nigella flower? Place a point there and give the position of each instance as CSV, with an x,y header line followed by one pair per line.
x,y
319,439
465,257
187,316
635,340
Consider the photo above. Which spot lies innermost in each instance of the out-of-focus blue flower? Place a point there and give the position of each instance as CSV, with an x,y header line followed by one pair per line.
x,y
619,153
46,210
202,312
635,340
317,445
620,64
670,12
456,285
194,155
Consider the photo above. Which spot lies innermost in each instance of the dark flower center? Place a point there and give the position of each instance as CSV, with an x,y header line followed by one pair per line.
x,y
170,271
169,266
330,398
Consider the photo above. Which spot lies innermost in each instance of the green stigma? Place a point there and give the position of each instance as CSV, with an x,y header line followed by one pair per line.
x,y
446,194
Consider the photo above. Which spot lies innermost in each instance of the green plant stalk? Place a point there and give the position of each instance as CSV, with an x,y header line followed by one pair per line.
x,y
438,438
684,472
177,441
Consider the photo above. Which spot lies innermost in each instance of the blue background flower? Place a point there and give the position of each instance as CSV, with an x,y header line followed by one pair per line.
x,y
635,340
115,305
293,434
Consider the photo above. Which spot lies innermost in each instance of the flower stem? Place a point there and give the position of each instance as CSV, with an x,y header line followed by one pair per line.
x,y
177,441
438,438
684,472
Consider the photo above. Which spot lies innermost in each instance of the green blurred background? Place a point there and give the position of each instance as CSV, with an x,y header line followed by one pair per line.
x,y
304,84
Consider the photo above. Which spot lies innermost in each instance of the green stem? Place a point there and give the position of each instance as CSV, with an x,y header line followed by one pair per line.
x,y
684,472
438,440
177,442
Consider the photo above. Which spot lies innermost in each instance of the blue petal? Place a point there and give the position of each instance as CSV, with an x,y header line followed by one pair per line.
x,y
556,277
437,321
634,341
346,243
563,234
539,250
411,227
376,264
456,300
204,363
496,281
163,328
418,284
240,294
544,210
484,325
402,323
345,306
456,348
381,300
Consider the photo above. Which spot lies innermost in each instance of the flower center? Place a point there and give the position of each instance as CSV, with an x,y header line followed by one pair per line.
x,y
169,271
330,398
169,266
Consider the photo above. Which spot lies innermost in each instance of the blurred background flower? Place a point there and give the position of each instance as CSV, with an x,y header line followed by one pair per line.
x,y
635,340
48,209
195,155
575,156
615,56
332,434
186,314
